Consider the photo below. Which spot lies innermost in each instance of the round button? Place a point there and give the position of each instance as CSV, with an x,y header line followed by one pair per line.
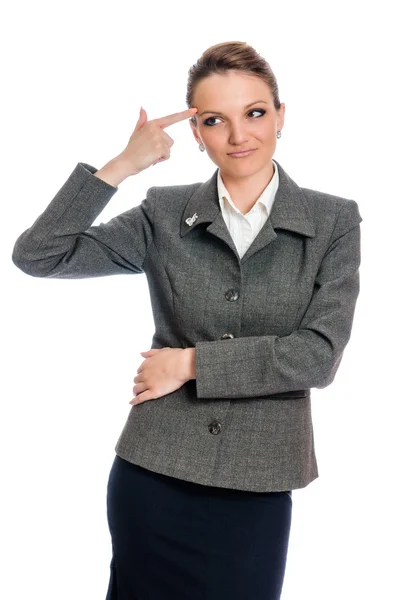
x,y
215,427
226,336
232,295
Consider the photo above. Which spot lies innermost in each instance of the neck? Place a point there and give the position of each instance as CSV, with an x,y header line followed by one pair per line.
x,y
245,191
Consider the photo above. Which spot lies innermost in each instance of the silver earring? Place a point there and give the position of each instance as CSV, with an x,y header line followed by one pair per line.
x,y
278,134
201,148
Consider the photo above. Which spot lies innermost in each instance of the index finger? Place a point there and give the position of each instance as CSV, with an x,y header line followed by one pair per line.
x,y
175,117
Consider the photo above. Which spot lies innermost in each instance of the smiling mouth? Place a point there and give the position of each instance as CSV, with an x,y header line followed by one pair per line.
x,y
242,153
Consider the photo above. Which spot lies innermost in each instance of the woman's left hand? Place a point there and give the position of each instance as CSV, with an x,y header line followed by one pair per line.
x,y
163,371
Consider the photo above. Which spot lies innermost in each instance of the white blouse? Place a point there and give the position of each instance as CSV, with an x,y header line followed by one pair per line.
x,y
244,228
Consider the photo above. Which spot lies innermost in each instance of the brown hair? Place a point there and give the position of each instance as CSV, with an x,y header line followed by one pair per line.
x,y
227,56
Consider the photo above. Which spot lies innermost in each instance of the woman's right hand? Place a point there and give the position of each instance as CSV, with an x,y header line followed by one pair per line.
x,y
149,143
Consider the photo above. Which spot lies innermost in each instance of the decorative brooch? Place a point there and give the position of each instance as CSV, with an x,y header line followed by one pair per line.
x,y
191,220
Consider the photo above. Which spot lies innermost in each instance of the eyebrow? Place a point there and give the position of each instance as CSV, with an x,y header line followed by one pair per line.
x,y
219,113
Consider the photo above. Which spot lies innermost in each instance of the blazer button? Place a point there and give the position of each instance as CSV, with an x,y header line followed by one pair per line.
x,y
226,336
232,295
215,427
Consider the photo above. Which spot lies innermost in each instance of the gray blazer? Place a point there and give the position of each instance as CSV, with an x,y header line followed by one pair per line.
x,y
266,327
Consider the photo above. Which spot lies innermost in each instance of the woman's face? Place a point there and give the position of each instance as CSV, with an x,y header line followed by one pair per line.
x,y
225,122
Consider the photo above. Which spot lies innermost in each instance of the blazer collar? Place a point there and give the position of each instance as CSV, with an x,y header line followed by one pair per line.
x,y
290,211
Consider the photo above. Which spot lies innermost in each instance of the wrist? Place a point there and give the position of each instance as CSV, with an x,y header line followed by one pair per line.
x,y
191,362
114,172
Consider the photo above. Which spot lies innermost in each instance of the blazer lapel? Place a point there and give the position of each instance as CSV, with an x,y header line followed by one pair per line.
x,y
203,207
290,211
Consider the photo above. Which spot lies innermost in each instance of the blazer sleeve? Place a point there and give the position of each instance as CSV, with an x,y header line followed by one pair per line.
x,y
62,243
309,357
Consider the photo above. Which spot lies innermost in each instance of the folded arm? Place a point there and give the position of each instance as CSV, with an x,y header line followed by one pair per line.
x,y
257,366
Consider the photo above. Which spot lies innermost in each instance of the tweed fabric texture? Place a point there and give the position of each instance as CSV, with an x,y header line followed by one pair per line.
x,y
245,421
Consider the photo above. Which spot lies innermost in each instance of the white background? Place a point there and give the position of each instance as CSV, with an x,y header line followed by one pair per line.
x,y
74,76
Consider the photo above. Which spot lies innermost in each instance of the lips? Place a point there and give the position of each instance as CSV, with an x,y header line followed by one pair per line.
x,y
242,153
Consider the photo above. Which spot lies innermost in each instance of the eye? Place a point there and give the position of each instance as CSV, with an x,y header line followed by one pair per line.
x,y
206,122
259,110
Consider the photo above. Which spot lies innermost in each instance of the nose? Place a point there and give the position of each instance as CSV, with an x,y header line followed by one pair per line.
x,y
238,136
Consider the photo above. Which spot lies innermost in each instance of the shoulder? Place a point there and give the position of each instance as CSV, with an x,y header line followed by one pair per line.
x,y
323,201
343,212
174,193
169,201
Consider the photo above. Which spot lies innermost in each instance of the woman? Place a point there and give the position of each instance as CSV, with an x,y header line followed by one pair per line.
x,y
253,284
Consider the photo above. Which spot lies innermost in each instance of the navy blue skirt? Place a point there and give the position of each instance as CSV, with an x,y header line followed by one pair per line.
x,y
175,539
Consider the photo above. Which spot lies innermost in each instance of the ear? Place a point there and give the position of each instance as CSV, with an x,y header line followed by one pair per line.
x,y
195,132
281,116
